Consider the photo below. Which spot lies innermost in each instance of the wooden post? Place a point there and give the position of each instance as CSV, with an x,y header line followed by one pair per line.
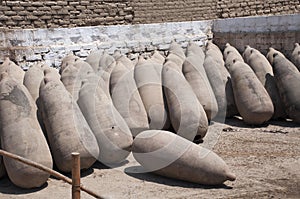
x,y
47,170
75,176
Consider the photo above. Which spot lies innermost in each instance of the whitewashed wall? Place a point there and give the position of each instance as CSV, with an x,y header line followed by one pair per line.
x,y
28,46
51,45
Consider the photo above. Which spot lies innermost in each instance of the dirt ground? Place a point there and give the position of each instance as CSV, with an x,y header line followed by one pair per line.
x,y
266,161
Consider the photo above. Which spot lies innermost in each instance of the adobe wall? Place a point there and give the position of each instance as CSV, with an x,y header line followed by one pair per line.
x,y
69,13
43,30
27,46
242,8
157,11
261,32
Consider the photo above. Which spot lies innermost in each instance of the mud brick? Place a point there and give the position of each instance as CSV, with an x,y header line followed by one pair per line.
x,y
17,18
12,3
62,3
17,8
4,18
10,13
56,7
37,3
50,3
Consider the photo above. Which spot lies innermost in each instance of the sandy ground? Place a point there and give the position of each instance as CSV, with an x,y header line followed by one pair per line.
x,y
266,161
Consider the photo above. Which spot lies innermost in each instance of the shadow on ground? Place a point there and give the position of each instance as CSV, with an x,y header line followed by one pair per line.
x,y
150,177
7,187
238,122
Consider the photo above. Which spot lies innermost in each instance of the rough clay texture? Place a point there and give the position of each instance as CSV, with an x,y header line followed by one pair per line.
x,y
26,46
241,8
75,26
261,32
190,10
53,14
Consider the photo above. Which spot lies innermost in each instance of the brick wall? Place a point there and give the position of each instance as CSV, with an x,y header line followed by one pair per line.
x,y
27,46
67,13
242,8
279,32
153,11
157,11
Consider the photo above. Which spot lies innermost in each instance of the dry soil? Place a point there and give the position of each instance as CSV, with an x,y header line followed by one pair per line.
x,y
266,161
